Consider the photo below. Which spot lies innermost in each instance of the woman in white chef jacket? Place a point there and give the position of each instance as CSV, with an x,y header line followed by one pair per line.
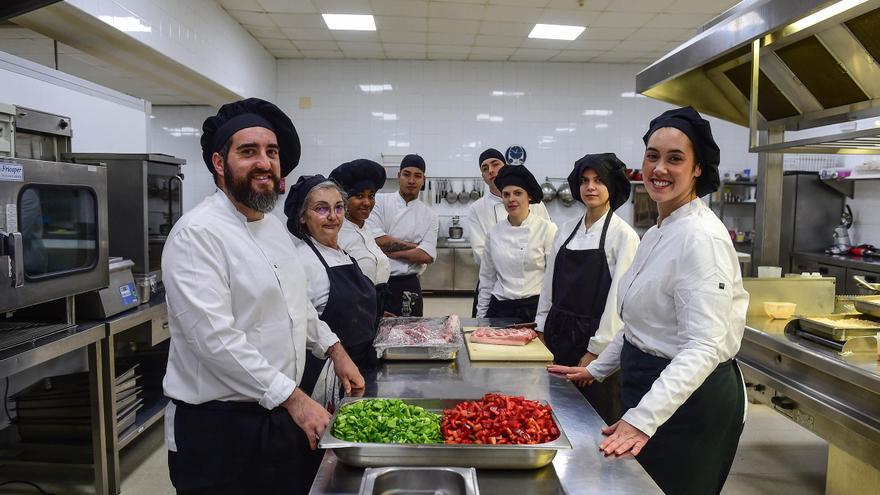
x,y
516,251
683,308
361,179
577,311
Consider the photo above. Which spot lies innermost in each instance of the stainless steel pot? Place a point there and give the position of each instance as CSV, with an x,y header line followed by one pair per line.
x,y
564,195
549,191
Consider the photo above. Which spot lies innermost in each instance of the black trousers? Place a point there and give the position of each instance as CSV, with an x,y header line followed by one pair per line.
x,y
605,398
236,448
523,310
396,287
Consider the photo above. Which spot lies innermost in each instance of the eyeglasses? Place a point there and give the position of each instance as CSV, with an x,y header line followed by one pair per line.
x,y
324,211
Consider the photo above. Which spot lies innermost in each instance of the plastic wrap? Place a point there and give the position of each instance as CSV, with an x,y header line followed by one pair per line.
x,y
419,338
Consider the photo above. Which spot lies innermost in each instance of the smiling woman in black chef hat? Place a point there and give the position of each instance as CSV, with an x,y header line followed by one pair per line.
x,y
684,308
577,311
516,250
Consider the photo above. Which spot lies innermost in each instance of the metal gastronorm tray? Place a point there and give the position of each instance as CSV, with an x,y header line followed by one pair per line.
x,y
419,353
868,305
477,456
840,334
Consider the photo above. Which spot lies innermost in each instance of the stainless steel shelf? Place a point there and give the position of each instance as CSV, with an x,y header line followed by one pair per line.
x,y
23,357
860,142
145,418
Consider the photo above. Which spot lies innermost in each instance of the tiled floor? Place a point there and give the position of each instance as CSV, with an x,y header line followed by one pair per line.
x,y
775,456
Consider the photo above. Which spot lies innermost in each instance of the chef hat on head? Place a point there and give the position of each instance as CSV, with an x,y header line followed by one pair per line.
x,y
519,175
698,130
252,112
296,198
491,153
412,160
610,169
358,175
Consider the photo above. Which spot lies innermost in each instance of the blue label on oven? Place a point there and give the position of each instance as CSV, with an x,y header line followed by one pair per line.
x,y
129,294
11,172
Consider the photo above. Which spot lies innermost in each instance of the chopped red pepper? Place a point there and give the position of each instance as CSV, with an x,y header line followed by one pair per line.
x,y
499,419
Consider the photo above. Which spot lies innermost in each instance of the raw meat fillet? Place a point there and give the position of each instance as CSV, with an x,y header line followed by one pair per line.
x,y
503,336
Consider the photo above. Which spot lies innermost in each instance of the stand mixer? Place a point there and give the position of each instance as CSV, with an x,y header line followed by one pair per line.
x,y
842,242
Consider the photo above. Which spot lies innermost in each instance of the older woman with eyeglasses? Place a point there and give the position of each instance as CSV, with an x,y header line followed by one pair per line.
x,y
343,296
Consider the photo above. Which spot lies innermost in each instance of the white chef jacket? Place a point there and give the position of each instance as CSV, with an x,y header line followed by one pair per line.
x,y
484,213
238,312
621,242
318,280
360,244
412,222
514,260
682,299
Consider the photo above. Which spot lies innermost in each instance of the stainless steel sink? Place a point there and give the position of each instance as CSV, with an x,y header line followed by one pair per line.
x,y
419,481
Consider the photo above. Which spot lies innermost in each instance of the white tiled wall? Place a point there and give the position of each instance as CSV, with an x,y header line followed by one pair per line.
x,y
198,34
450,111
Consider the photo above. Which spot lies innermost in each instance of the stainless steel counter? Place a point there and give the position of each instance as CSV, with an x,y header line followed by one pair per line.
x,y
582,470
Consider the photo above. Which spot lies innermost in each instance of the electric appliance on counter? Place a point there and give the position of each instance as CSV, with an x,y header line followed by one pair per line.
x,y
121,293
809,208
842,242
146,191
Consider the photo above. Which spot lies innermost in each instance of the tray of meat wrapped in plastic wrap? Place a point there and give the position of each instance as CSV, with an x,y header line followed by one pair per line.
x,y
419,338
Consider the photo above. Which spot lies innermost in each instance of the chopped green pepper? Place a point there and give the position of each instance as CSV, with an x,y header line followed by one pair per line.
x,y
386,421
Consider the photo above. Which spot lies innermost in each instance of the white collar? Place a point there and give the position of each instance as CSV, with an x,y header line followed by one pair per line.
x,y
528,221
682,211
598,224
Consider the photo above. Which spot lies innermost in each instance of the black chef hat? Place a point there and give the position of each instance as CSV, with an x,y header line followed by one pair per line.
x,y
519,175
610,169
412,160
252,112
491,153
357,175
698,130
295,200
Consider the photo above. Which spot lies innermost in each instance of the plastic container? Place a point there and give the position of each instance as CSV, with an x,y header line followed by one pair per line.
x,y
779,310
769,272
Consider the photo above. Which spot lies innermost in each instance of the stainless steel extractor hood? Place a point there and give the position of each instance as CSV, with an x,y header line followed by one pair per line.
x,y
817,65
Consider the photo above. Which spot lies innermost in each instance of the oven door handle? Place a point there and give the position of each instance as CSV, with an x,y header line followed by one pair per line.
x,y
11,245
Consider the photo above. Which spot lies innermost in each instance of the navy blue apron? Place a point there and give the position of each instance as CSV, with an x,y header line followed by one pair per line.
x,y
397,285
382,292
350,313
691,453
523,310
581,282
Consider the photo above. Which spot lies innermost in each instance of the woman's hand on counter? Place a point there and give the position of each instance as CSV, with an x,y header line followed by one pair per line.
x,y
345,368
623,439
575,374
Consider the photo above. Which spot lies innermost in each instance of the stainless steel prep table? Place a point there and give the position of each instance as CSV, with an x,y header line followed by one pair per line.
x,y
582,470
835,396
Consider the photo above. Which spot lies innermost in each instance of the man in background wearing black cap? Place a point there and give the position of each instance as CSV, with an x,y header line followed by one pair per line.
x,y
240,320
406,231
485,212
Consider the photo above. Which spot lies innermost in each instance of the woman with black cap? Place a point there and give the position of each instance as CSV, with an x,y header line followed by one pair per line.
x,y
516,250
361,179
684,308
343,296
577,311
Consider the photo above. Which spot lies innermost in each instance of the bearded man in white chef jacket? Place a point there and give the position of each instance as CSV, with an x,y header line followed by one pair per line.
x,y
241,321
406,231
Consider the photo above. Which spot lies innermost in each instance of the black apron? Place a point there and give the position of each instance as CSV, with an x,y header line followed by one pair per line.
x,y
524,310
237,447
381,295
399,284
691,453
581,282
350,313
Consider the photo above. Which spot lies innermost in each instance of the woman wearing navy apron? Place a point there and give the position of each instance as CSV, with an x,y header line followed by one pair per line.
x,y
684,308
344,298
517,247
577,312
361,179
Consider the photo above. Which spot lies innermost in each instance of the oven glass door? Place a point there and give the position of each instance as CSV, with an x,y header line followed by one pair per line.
x,y
59,230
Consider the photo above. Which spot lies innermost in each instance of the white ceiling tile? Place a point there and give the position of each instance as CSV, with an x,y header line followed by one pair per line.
x,y
604,33
404,55
496,50
623,19
286,53
511,14
251,5
266,32
532,54
288,6
451,39
406,8
640,45
461,1
612,59
652,6
322,54
351,46
307,34
405,47
569,17
403,37
700,6
545,44
273,44
364,55
343,6
252,18
455,11
355,35
448,49
521,3
312,21
573,4
576,55
396,23
662,34
501,41
692,21
305,46
601,45
453,26
447,56
505,28
487,57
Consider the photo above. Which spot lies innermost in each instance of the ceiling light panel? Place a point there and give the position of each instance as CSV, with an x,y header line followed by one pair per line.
x,y
350,22
556,32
